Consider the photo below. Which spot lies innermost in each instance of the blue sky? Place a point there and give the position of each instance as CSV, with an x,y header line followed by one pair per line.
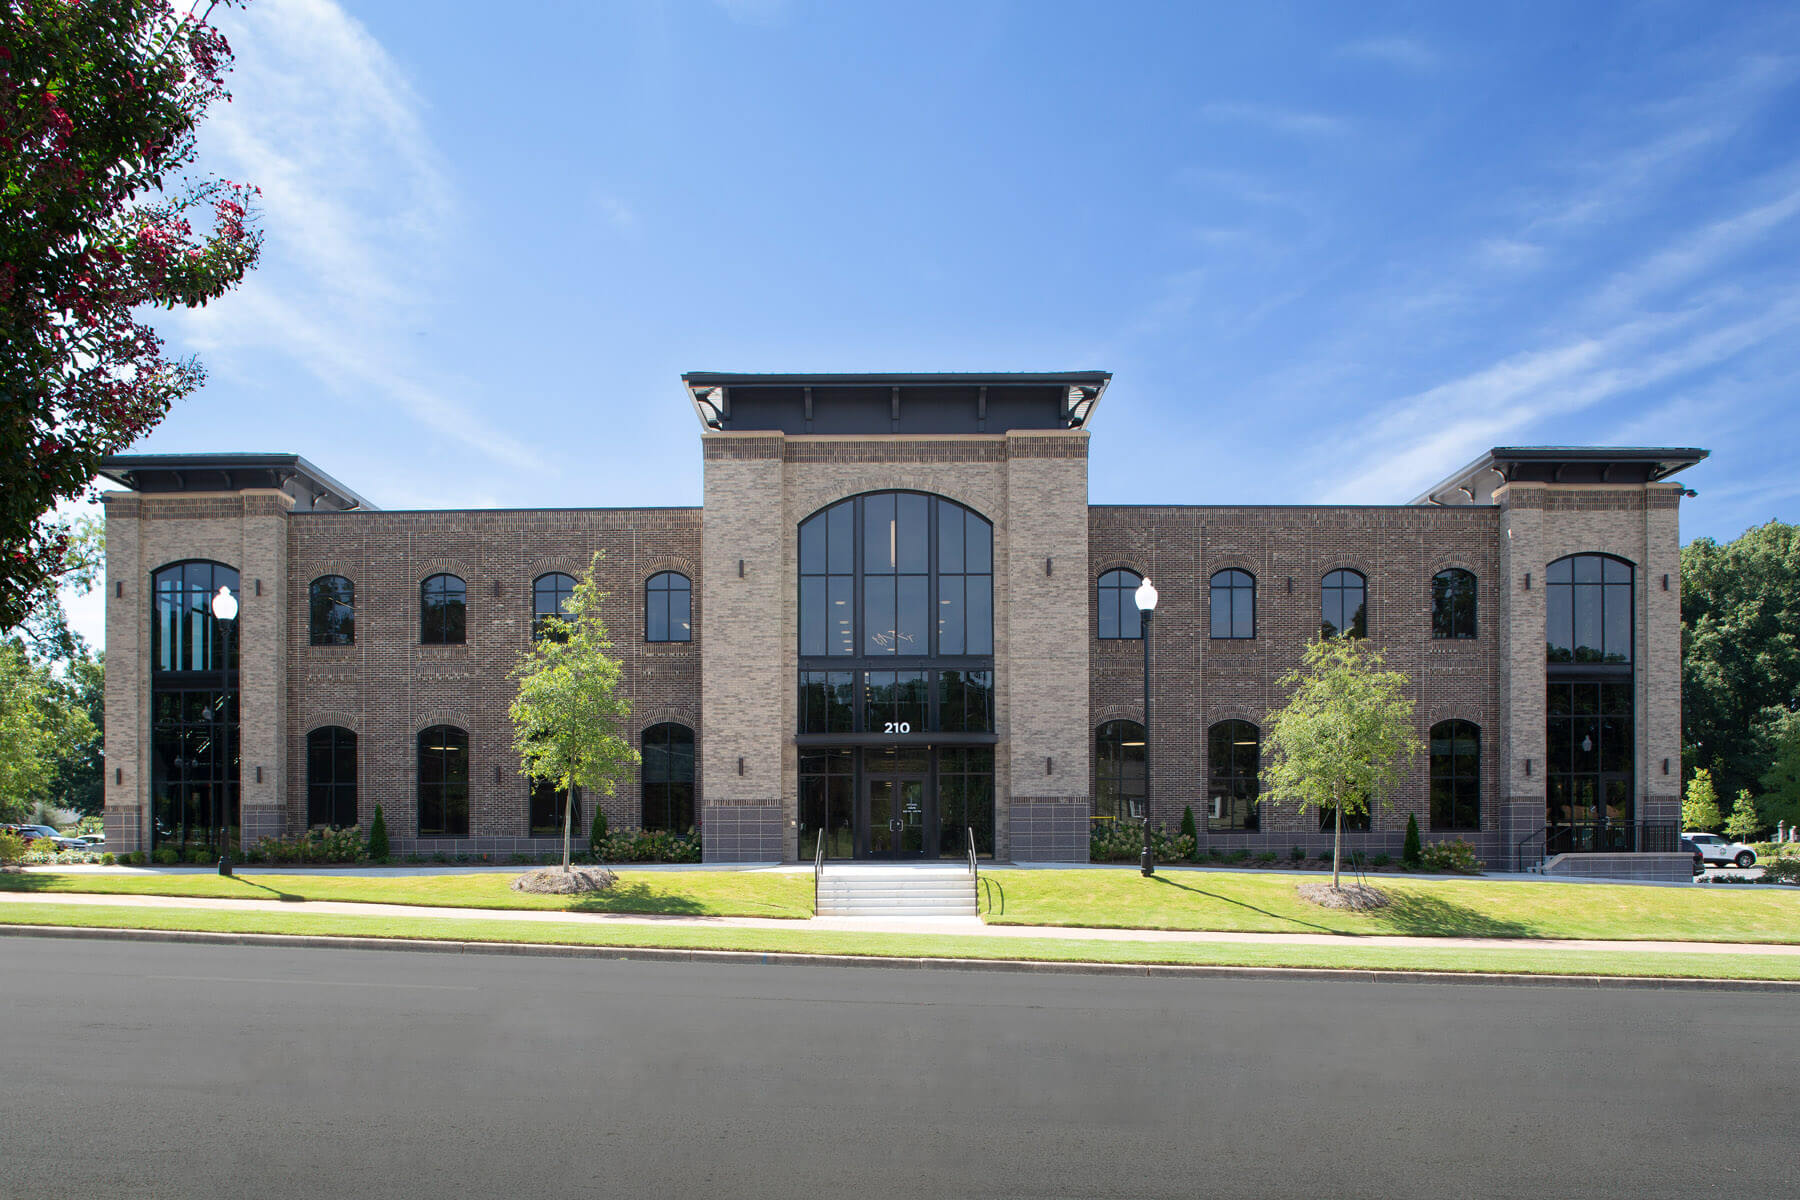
x,y
1330,252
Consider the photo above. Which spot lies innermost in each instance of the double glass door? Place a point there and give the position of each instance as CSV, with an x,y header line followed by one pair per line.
x,y
894,815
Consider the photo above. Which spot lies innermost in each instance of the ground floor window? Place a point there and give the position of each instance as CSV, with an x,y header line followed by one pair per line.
x,y
896,801
331,778
668,778
827,787
1234,761
194,772
443,782
1589,741
1119,771
547,807
1455,775
965,801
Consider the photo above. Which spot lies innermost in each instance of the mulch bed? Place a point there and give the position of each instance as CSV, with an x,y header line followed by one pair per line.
x,y
554,881
1353,896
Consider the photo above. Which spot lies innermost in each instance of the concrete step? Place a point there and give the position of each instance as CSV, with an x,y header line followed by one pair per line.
x,y
921,914
897,891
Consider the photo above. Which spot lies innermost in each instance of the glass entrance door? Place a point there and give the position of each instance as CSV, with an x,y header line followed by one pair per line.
x,y
894,814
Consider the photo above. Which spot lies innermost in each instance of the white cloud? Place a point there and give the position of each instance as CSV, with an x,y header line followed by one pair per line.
x,y
1297,122
359,214
1701,251
1406,53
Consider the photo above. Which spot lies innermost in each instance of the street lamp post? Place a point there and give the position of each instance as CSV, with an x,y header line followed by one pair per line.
x,y
225,609
1146,602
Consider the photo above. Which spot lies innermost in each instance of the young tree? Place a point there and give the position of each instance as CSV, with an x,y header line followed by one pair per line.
x,y
40,724
1700,807
1344,736
568,717
1743,823
99,103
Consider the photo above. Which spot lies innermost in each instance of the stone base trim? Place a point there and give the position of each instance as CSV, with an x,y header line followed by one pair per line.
x,y
124,828
1664,868
1049,831
744,833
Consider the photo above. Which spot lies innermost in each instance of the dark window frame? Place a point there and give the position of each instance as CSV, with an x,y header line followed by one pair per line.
x,y
328,628
1455,604
442,753
1563,591
1224,740
1239,587
661,600
332,801
666,792
438,601
557,594
1342,589
1462,781
1112,766
1114,596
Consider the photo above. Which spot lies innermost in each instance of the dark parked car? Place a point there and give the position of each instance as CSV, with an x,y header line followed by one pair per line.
x,y
1688,847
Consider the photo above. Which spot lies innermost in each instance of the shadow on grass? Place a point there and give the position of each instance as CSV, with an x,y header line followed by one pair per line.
x,y
1164,879
637,897
1433,916
13,880
287,897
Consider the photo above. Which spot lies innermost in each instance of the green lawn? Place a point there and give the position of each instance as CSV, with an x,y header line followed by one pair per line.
x,y
680,893
1218,900
1349,956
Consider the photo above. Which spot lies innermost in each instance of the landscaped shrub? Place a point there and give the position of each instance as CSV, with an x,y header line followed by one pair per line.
x,y
107,860
1297,854
378,838
1380,860
1239,855
12,846
1188,829
650,845
1782,870
168,856
597,831
1455,856
1123,841
137,858
320,845
1267,856
1409,849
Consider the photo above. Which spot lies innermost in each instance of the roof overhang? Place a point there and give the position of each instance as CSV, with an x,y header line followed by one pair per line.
x,y
1476,483
710,391
228,473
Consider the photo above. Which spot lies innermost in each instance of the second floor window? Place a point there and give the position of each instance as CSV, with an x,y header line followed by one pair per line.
x,y
443,610
550,596
1344,605
668,608
332,605
1233,604
1453,604
1119,616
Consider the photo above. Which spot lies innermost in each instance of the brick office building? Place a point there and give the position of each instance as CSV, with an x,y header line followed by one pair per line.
x,y
897,622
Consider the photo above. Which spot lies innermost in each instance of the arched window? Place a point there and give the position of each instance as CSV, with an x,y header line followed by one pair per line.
x,y
1119,617
443,611
1234,767
922,565
1233,604
1344,605
1453,604
1118,771
1455,775
668,778
331,778
668,608
547,805
184,634
332,607
1588,609
443,781
194,735
550,596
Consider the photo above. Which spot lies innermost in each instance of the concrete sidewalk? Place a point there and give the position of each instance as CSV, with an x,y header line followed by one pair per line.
x,y
959,926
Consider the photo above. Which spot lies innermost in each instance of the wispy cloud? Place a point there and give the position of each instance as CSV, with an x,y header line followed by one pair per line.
x,y
1298,122
1406,53
359,212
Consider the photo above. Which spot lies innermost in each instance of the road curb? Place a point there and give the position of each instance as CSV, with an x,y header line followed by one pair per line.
x,y
779,958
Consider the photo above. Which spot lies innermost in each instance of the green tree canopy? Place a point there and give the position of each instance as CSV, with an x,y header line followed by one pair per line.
x,y
1740,671
1781,782
1344,737
1700,806
1744,822
568,718
42,723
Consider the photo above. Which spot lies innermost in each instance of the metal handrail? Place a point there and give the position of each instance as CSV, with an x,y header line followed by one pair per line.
x,y
970,829
818,870
1519,848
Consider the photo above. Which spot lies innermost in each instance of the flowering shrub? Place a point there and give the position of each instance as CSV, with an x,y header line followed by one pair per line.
x,y
1123,841
12,846
1455,856
320,845
650,845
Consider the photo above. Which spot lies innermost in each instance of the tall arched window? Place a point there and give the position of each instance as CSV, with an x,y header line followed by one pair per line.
x,y
1344,596
668,778
443,782
547,805
1118,771
1588,609
1234,773
668,608
443,611
1455,775
1590,705
194,736
331,607
1233,604
1453,604
550,596
331,778
1119,616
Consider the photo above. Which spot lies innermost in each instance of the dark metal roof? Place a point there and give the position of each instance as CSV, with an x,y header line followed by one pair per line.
x,y
929,402
227,473
1475,483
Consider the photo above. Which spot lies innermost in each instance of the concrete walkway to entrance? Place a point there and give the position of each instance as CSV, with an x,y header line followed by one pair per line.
x,y
961,926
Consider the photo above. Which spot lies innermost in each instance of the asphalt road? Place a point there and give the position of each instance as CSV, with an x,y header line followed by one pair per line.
x,y
131,1069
